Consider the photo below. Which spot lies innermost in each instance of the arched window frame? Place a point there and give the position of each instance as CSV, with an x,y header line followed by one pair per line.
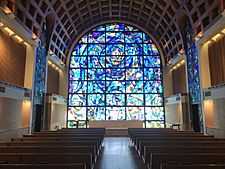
x,y
147,44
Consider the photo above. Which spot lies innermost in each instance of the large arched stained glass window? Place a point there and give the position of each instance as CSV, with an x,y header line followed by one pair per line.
x,y
115,74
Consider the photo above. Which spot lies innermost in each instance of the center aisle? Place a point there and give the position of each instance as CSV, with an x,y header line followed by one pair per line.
x,y
118,153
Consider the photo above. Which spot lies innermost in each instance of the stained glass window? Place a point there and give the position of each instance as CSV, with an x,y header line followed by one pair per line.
x,y
115,74
193,75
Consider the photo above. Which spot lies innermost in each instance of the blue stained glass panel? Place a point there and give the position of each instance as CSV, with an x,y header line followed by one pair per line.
x,y
115,86
96,86
152,74
76,50
115,49
114,37
115,100
80,49
153,100
146,38
115,74
99,28
133,49
77,86
78,62
154,124
77,99
135,100
96,74
83,49
135,113
134,74
115,27
150,49
153,87
96,62
115,113
96,100
84,39
134,87
76,113
77,74
154,113
115,61
96,113
193,73
130,28
96,37
39,80
96,49
133,37
152,61
134,61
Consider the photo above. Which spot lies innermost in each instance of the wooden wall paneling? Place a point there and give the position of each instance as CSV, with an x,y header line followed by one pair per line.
x,y
53,81
179,80
12,60
217,62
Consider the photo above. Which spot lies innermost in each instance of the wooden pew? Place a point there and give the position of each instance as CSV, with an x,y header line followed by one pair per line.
x,y
50,149
197,158
63,146
157,130
144,134
137,138
145,142
149,129
66,135
192,166
81,130
134,136
180,149
49,158
165,146
101,135
73,132
52,143
57,138
178,143
96,139
44,166
86,137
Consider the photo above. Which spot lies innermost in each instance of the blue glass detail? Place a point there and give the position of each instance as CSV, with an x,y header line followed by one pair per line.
x,y
115,74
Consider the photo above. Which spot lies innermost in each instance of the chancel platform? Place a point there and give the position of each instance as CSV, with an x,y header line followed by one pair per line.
x,y
116,128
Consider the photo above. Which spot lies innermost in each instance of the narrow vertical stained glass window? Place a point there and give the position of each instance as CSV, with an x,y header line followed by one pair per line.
x,y
115,74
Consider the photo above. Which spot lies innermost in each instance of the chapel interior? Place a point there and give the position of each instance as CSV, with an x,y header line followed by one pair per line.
x,y
111,84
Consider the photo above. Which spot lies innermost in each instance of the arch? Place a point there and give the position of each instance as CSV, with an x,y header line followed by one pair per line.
x,y
182,18
116,74
115,21
47,27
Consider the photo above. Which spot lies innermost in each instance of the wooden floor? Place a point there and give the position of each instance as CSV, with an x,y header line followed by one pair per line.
x,y
118,153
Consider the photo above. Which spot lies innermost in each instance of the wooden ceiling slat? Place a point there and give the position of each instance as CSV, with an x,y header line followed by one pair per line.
x,y
156,16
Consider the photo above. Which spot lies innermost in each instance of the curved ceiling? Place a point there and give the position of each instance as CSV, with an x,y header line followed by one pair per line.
x,y
159,17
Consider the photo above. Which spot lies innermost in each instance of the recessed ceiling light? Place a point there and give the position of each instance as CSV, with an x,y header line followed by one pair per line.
x,y
9,31
19,38
218,35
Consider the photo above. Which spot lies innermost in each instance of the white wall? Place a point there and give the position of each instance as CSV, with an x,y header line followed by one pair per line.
x,y
58,116
167,81
215,117
29,68
204,66
15,117
63,83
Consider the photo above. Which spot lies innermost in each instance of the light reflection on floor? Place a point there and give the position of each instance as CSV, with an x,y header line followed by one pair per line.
x,y
118,153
